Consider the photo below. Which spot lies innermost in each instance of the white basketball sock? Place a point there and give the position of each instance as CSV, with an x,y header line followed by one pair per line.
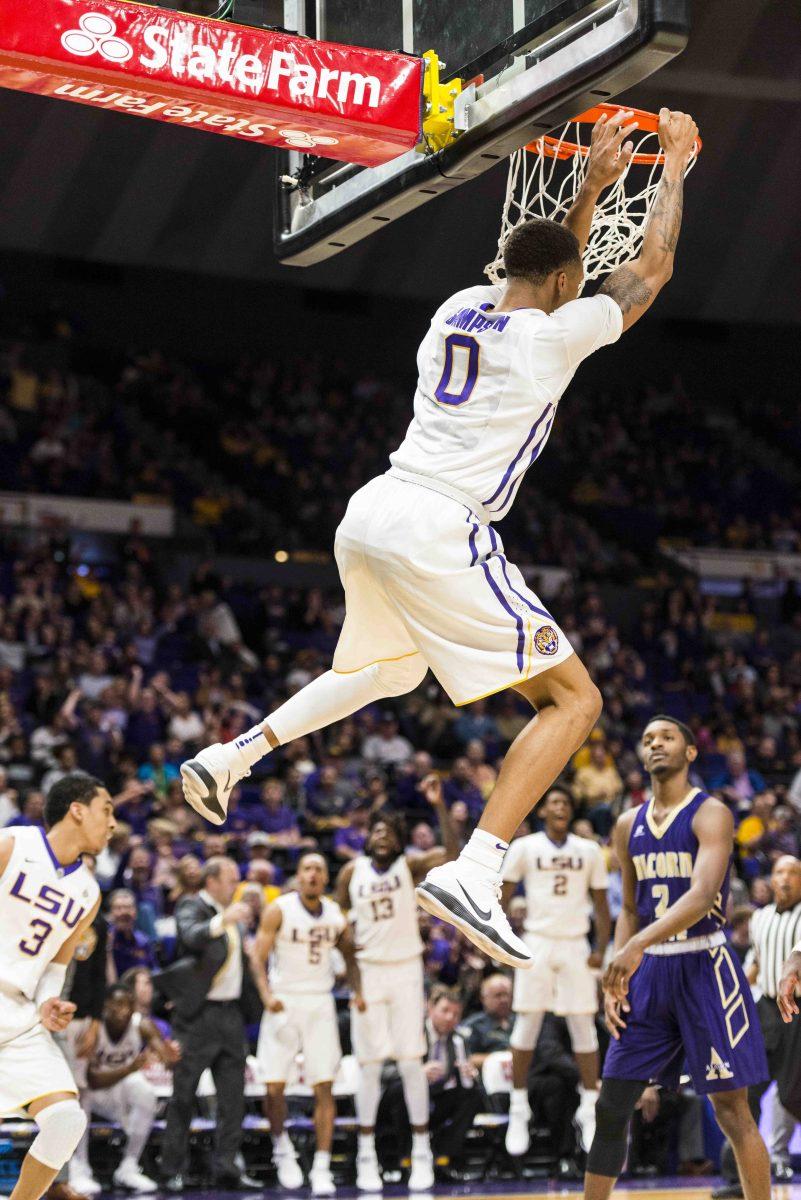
x,y
484,852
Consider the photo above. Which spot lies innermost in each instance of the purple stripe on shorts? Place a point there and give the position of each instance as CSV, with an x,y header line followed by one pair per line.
x,y
540,611
518,456
472,539
535,453
521,636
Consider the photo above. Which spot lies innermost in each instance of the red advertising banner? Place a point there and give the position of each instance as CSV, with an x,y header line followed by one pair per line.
x,y
343,102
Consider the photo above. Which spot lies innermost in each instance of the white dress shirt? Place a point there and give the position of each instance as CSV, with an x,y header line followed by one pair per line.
x,y
227,983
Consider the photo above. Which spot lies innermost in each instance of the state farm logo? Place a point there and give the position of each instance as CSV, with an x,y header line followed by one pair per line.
x,y
298,139
97,35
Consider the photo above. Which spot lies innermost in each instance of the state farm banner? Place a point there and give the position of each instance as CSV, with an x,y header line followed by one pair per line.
x,y
343,102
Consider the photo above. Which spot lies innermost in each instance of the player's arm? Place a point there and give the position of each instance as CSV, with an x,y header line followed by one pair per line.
x,y
167,1051
6,850
610,155
713,826
55,1013
603,925
628,922
342,890
421,864
106,1077
260,950
789,984
353,974
636,284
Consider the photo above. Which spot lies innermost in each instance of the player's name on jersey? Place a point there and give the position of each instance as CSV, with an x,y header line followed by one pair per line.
x,y
559,862
476,321
49,900
666,864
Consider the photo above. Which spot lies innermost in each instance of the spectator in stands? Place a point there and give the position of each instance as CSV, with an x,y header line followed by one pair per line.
x,y
128,946
140,982
490,1029
261,872
738,781
409,776
350,840
387,746
138,879
328,796
188,878
475,722
460,785
8,800
158,771
739,933
278,820
421,839
598,787
782,835
32,810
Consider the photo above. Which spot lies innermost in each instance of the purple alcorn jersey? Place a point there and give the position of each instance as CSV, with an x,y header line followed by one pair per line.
x,y
664,856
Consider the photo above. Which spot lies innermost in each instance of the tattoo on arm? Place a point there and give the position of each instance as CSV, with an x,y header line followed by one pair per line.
x,y
627,288
664,222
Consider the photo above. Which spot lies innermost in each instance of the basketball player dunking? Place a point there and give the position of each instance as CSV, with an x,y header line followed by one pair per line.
x,y
378,889
674,992
427,584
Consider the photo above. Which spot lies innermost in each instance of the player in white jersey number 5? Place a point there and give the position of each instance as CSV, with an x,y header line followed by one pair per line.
x,y
299,930
427,584
378,889
565,878
47,901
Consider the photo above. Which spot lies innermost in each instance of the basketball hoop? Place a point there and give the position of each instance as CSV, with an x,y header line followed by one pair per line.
x,y
545,176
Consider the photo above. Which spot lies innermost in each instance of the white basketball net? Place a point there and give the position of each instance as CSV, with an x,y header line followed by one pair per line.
x,y
540,185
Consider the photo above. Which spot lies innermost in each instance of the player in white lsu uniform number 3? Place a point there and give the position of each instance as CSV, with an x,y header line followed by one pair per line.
x,y
378,889
426,581
47,900
565,878
297,933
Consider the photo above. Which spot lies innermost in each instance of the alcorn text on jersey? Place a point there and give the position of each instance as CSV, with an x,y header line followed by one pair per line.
x,y
488,389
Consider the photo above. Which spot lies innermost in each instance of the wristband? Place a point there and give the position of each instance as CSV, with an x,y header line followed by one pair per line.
x,y
51,983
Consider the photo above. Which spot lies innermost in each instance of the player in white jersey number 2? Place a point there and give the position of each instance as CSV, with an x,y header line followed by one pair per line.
x,y
565,878
427,584
297,933
47,901
378,889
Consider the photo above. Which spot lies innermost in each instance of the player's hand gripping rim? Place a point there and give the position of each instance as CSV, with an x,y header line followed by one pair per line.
x,y
786,998
610,153
614,1007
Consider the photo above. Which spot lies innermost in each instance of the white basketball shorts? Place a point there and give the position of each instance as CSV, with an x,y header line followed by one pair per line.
x,y
117,1103
31,1064
392,1025
422,574
559,980
307,1026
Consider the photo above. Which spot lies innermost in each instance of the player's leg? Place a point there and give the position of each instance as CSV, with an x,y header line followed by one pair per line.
x,y
372,1045
466,892
584,1039
275,1054
135,1103
61,1122
320,1178
735,1119
616,1103
408,1048
524,1037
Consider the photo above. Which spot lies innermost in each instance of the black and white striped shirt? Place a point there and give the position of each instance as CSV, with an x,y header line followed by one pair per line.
x,y
773,936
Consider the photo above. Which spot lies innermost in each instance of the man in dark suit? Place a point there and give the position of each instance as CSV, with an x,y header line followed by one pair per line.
x,y
213,994
456,1095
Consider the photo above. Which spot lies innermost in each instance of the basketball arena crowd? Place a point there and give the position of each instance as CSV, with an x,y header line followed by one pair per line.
x,y
123,669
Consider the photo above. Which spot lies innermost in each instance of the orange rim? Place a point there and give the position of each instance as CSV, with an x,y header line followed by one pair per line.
x,y
648,122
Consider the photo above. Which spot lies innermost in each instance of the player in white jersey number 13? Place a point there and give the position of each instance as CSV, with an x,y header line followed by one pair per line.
x,y
378,890
47,901
427,584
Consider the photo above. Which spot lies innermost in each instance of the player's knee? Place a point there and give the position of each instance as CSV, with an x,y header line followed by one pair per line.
x,y
589,703
526,1030
583,1034
399,677
732,1113
612,1115
61,1127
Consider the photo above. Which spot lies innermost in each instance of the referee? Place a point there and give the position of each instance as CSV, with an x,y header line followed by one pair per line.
x,y
775,931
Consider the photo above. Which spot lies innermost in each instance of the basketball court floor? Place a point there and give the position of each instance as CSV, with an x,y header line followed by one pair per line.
x,y
663,1188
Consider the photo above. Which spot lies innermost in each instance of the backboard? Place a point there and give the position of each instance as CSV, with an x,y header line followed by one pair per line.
x,y
533,63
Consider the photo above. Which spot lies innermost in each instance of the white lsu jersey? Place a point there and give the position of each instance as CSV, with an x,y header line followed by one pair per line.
x,y
109,1053
557,882
384,911
41,904
488,389
301,957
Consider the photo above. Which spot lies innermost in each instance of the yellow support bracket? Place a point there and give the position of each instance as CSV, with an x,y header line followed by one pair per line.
x,y
438,102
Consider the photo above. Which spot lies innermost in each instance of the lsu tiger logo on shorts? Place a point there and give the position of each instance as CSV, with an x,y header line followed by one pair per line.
x,y
546,639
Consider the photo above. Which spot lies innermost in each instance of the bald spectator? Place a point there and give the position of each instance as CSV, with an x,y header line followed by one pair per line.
x,y
422,839
491,1029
